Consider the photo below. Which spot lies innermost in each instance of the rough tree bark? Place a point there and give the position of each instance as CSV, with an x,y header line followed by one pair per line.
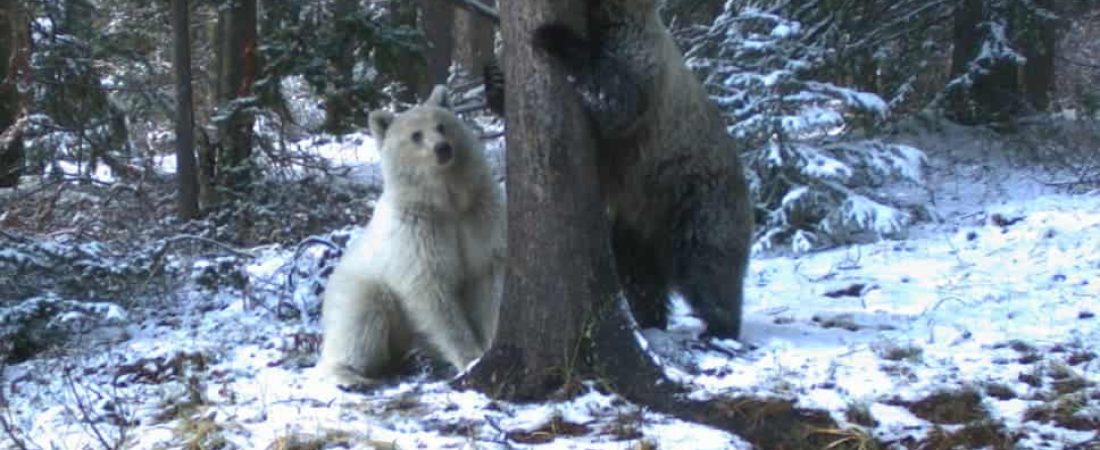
x,y
1039,46
473,38
187,178
14,56
562,317
560,265
437,18
238,69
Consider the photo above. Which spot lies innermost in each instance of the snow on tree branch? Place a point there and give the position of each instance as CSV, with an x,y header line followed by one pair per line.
x,y
814,180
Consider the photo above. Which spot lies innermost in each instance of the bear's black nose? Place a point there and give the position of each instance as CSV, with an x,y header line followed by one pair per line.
x,y
444,152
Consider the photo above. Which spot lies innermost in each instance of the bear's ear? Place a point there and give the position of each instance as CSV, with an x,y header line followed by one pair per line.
x,y
380,121
438,97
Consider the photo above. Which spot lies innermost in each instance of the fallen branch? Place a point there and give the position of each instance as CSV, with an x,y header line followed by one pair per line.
x,y
291,283
7,422
1079,63
13,133
190,237
469,107
480,8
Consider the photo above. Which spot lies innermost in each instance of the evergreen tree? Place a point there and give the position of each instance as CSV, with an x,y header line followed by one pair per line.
x,y
74,117
994,42
813,177
350,53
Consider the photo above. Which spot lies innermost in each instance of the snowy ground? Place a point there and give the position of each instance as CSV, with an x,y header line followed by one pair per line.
x,y
996,303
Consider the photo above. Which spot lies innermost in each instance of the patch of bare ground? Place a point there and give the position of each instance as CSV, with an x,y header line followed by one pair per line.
x,y
331,439
950,407
984,434
552,429
1066,411
960,421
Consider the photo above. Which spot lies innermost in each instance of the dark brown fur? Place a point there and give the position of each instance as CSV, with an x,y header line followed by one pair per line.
x,y
681,212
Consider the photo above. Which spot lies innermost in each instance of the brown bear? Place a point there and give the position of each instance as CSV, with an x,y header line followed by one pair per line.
x,y
681,212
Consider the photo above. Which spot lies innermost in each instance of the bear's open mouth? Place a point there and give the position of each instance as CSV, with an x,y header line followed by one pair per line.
x,y
444,153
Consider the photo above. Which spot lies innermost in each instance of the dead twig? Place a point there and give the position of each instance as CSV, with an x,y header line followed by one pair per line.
x,y
16,436
190,237
85,415
480,8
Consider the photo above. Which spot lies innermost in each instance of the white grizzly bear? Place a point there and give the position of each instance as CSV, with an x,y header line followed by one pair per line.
x,y
427,273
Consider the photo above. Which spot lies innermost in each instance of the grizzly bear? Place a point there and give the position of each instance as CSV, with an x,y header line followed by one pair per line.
x,y
680,208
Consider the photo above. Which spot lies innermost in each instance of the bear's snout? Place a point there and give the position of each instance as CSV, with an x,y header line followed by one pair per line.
x,y
444,153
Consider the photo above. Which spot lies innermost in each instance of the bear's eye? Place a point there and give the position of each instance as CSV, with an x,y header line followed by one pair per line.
x,y
417,137
441,129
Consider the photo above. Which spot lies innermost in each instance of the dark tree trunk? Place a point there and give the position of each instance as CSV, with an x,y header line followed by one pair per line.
x,y
965,38
993,94
238,68
473,39
187,178
338,101
437,18
411,72
560,268
14,58
208,97
1039,47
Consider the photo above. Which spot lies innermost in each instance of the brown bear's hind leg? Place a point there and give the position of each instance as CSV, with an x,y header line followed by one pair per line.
x,y
709,261
644,282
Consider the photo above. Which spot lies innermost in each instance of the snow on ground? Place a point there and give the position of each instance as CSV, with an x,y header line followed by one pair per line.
x,y
998,299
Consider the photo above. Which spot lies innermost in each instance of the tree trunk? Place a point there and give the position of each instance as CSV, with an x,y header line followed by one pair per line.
x,y
14,58
966,38
237,71
1039,47
993,94
560,268
338,101
208,95
409,73
473,38
437,18
187,178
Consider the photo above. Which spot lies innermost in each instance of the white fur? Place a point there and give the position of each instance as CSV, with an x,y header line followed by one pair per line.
x,y
428,270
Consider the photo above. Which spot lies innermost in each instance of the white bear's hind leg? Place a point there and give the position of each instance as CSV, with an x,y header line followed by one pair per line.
x,y
481,299
362,332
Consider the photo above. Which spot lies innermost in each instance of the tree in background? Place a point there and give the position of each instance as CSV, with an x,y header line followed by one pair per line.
x,y
1039,39
355,56
995,41
814,178
237,71
437,20
187,177
72,112
890,48
473,39
14,57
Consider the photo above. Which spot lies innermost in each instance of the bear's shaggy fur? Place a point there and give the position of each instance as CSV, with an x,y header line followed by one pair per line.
x,y
427,272
681,213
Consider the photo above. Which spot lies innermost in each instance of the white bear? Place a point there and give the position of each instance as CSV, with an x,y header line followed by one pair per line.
x,y
427,273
